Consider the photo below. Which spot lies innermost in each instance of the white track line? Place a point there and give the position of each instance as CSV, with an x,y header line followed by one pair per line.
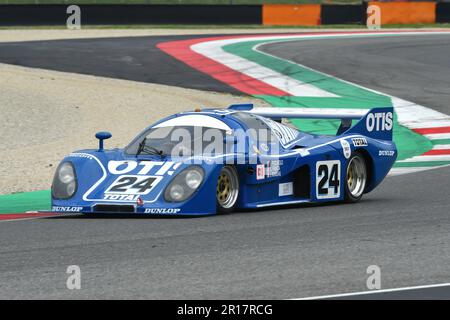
x,y
437,122
353,294
214,51
441,147
435,136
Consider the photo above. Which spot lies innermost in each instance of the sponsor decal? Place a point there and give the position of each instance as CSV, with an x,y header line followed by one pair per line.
x,y
121,197
359,142
129,187
379,121
328,175
67,209
285,189
273,168
260,172
133,185
346,148
158,168
162,210
386,153
270,169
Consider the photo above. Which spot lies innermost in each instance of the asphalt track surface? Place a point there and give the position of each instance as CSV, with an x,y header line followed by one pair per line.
x,y
131,58
403,226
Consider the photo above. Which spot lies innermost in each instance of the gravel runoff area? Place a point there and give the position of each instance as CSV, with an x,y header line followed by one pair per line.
x,y
47,114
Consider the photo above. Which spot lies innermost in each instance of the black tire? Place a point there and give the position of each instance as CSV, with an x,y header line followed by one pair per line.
x,y
227,191
356,177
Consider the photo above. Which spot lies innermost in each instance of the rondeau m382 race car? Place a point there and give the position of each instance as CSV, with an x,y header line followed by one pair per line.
x,y
219,160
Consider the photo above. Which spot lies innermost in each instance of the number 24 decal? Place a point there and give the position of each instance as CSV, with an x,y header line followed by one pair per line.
x,y
328,175
133,184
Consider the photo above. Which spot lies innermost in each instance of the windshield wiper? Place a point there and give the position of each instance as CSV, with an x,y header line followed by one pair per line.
x,y
152,150
141,146
148,149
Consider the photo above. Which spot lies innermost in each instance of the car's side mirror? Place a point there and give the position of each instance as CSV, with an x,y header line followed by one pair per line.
x,y
102,135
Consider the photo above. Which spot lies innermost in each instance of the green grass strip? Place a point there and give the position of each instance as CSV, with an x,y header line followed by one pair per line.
x,y
25,201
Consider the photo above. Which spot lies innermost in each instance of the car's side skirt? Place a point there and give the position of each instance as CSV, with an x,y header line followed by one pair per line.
x,y
281,203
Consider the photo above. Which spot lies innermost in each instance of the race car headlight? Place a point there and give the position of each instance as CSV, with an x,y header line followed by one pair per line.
x,y
66,173
194,178
176,192
184,184
64,182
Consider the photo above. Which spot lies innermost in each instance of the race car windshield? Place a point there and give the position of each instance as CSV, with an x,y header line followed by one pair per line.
x,y
179,141
266,130
260,131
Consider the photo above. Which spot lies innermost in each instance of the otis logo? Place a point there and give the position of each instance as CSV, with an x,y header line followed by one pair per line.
x,y
379,121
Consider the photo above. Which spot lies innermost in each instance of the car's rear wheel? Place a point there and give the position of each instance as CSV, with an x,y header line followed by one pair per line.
x,y
227,189
356,178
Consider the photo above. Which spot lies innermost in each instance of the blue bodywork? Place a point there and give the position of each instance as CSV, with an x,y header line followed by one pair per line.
x,y
289,177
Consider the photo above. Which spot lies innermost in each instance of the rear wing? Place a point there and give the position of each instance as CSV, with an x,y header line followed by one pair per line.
x,y
375,123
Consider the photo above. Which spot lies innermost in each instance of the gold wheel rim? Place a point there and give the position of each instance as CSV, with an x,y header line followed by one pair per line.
x,y
223,187
350,177
227,187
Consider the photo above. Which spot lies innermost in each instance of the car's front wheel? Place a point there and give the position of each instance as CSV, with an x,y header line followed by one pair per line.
x,y
227,191
356,178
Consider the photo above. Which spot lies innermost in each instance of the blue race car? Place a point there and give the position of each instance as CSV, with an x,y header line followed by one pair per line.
x,y
218,160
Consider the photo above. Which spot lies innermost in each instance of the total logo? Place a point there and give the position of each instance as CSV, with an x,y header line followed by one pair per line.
x,y
359,142
379,121
121,197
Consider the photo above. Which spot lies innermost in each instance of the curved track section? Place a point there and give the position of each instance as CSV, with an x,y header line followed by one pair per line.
x,y
296,252
412,68
421,133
